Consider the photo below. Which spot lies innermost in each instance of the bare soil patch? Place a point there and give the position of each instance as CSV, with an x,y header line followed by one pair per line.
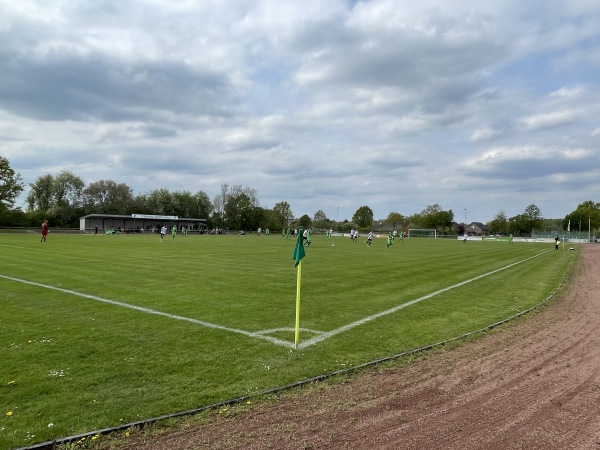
x,y
532,385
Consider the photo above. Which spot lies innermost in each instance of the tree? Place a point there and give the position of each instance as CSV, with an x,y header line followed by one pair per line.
x,y
305,221
589,204
524,224
435,217
19,218
586,215
60,196
68,190
11,184
67,198
218,207
108,197
160,201
363,217
533,215
41,193
271,220
241,208
395,220
519,225
139,205
283,214
259,217
204,206
228,205
320,219
184,204
499,224
347,226
414,221
238,212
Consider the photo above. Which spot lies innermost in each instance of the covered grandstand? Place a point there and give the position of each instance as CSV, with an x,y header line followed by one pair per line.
x,y
137,223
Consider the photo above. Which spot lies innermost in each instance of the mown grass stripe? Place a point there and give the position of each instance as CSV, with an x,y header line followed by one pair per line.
x,y
152,311
357,323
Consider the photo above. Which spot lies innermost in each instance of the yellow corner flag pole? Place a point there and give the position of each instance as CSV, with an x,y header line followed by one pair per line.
x,y
298,284
297,256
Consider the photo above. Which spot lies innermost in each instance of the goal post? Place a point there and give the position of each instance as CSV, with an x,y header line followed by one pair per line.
x,y
422,232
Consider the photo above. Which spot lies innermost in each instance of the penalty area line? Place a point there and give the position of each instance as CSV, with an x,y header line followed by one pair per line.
x,y
257,335
328,334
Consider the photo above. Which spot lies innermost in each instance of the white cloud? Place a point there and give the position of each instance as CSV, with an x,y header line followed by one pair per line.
x,y
568,93
551,119
483,134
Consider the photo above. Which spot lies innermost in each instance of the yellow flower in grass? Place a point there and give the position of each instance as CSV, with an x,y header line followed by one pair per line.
x,y
9,413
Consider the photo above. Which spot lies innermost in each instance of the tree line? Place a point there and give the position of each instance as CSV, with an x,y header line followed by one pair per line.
x,y
64,198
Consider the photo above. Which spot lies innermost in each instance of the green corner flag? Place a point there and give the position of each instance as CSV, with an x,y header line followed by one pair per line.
x,y
299,252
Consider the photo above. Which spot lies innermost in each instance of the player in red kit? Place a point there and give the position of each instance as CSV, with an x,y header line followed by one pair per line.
x,y
44,230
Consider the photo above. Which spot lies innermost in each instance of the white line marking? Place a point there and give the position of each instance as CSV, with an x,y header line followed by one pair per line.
x,y
292,329
152,311
349,326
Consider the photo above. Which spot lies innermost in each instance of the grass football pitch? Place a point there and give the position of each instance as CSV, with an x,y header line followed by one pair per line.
x,y
101,331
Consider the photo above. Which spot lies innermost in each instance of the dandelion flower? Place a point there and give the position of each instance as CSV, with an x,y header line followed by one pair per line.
x,y
9,413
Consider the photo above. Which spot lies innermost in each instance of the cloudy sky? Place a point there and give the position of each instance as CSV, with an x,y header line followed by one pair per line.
x,y
328,105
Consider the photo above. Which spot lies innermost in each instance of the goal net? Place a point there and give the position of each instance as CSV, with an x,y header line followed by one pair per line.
x,y
422,232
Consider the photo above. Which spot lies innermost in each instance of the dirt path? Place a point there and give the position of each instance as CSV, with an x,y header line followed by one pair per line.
x,y
534,385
